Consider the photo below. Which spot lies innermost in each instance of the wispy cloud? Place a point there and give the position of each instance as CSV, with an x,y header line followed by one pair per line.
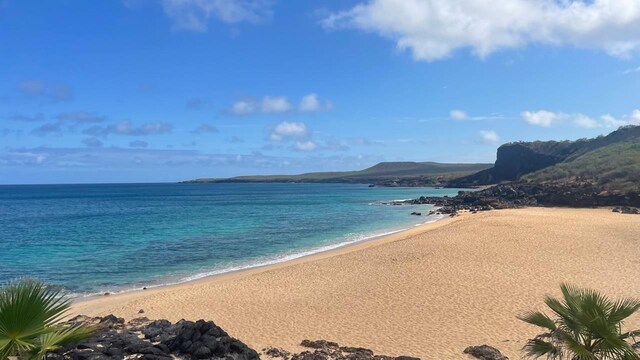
x,y
278,104
81,117
547,118
205,129
196,104
51,91
93,142
47,129
126,127
195,15
27,118
139,144
461,115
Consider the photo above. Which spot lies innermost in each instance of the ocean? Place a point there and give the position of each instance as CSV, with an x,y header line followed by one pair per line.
x,y
115,237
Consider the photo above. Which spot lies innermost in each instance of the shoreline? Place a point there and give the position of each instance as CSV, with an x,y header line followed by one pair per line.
x,y
303,256
262,263
467,277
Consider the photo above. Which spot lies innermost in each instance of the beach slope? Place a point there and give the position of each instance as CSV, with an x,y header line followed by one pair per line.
x,y
428,292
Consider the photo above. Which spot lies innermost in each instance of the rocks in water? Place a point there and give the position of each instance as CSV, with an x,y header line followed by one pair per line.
x,y
521,194
142,338
416,213
329,350
485,352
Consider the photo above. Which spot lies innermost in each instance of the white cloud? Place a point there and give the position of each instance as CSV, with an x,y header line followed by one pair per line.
x,y
612,122
289,130
489,136
585,122
458,115
305,145
548,118
194,15
542,118
278,104
243,107
275,104
434,29
312,103
126,127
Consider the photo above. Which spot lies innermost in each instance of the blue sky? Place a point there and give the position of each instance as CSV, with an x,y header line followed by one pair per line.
x,y
167,90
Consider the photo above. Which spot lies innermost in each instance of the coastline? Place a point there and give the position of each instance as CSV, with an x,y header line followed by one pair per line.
x,y
284,260
265,262
429,291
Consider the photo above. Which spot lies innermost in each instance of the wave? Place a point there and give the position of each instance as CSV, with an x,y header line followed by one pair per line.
x,y
266,261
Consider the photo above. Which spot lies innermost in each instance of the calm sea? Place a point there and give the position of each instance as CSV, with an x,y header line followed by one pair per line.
x,y
97,238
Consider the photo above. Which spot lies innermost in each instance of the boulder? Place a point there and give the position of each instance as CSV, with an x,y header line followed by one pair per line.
x,y
485,352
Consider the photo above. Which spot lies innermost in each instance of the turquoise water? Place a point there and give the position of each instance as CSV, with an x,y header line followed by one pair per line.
x,y
96,238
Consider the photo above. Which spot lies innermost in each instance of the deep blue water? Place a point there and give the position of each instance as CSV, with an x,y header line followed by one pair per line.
x,y
95,238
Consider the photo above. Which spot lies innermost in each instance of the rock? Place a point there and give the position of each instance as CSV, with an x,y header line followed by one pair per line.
x,y
153,340
485,352
328,350
277,352
416,213
141,311
319,344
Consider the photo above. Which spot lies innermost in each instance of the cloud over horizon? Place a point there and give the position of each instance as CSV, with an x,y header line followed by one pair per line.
x,y
126,127
545,118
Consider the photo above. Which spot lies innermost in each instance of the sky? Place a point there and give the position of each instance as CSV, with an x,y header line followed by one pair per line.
x,y
170,90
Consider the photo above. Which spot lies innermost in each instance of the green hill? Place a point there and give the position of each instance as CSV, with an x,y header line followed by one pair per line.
x,y
385,174
614,167
608,163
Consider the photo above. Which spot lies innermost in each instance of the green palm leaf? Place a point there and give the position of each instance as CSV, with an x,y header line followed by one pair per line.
x,y
29,312
587,326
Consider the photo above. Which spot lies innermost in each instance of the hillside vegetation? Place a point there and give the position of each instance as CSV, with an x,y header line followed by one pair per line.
x,y
614,168
607,163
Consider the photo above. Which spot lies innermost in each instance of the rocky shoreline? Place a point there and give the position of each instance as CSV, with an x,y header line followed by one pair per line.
x,y
146,339
518,195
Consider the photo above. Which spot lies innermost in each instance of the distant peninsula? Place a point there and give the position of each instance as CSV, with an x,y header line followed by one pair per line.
x,y
382,174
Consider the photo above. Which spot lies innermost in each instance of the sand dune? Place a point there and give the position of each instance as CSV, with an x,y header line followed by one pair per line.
x,y
428,292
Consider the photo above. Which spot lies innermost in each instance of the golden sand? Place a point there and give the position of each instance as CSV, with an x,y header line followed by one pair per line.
x,y
428,292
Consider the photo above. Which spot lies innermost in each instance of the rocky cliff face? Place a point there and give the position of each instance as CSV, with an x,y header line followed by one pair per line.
x,y
513,161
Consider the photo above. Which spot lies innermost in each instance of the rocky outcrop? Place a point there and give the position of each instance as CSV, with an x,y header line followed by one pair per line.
x,y
485,352
328,350
512,161
525,194
142,338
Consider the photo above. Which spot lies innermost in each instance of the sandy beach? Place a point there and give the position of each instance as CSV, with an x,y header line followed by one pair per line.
x,y
429,292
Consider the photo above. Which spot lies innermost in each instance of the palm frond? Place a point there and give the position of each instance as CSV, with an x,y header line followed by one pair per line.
x,y
29,312
538,319
587,326
537,347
